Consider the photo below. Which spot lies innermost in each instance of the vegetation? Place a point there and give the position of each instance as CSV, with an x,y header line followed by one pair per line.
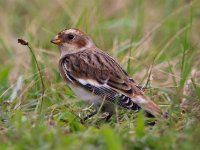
x,y
138,33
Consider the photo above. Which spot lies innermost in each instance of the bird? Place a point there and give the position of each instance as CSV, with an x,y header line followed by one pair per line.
x,y
96,77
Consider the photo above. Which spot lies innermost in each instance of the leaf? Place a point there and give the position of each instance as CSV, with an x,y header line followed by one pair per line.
x,y
140,125
112,141
4,75
185,73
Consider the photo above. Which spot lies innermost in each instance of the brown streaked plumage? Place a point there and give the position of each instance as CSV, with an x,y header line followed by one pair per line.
x,y
94,75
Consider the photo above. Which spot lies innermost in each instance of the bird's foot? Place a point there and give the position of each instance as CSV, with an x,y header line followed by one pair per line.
x,y
105,116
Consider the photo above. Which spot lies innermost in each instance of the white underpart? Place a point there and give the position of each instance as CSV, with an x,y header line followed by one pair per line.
x,y
86,95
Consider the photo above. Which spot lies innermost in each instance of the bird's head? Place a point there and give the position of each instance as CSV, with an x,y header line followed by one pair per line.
x,y
72,41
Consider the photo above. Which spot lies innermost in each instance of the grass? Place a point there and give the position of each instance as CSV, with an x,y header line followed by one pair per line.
x,y
138,33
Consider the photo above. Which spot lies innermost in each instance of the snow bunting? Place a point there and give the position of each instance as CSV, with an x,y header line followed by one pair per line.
x,y
95,76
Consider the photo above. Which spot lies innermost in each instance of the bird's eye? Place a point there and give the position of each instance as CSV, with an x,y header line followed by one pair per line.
x,y
70,37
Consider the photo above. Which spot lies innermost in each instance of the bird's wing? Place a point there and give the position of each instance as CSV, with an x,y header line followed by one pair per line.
x,y
112,96
99,89
99,72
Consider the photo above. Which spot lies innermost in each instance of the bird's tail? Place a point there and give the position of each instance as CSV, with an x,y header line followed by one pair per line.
x,y
148,105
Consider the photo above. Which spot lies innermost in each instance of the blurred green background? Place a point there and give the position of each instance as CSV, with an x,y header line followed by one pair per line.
x,y
136,32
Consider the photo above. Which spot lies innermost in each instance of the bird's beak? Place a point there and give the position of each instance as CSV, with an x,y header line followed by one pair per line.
x,y
56,40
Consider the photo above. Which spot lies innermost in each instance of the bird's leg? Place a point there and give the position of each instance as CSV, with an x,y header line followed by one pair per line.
x,y
108,110
90,115
106,116
150,122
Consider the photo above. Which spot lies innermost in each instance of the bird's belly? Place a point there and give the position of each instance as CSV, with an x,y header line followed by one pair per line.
x,y
85,95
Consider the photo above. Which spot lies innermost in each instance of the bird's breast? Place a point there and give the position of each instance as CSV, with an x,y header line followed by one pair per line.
x,y
84,94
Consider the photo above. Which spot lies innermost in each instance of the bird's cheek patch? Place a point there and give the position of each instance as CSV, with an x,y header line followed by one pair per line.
x,y
80,43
